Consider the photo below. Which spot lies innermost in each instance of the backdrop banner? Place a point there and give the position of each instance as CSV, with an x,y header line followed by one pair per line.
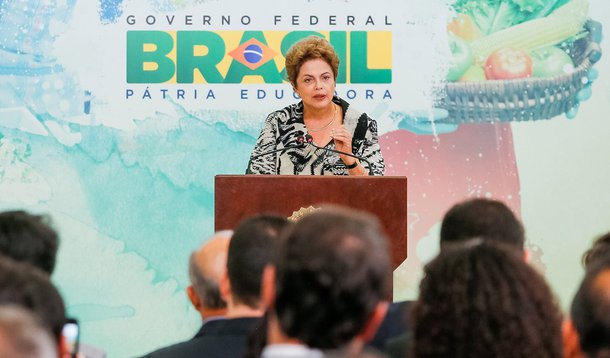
x,y
115,116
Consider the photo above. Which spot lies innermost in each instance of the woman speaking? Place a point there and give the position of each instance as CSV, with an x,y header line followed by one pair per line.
x,y
304,138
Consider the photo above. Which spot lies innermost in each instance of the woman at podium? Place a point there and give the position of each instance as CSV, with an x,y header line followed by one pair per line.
x,y
322,134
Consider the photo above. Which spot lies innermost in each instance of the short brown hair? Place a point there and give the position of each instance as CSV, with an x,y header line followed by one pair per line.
x,y
310,48
332,270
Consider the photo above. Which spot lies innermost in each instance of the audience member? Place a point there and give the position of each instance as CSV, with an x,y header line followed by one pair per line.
x,y
24,285
29,238
251,248
22,336
599,249
590,311
480,299
394,325
329,288
484,218
490,220
207,266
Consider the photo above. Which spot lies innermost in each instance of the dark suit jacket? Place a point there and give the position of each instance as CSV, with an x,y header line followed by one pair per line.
x,y
223,338
394,324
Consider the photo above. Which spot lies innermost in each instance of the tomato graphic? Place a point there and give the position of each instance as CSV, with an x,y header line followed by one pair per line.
x,y
508,63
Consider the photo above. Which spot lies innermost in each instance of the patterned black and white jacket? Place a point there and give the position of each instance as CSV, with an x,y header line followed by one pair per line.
x,y
284,127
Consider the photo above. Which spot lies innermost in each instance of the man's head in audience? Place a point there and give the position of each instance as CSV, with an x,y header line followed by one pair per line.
x,y
481,299
24,285
590,310
207,266
599,249
29,238
483,218
253,245
331,282
22,336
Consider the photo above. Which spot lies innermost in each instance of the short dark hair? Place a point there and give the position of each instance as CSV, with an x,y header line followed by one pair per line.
x,y
332,271
590,309
599,249
483,300
26,286
29,238
253,245
484,218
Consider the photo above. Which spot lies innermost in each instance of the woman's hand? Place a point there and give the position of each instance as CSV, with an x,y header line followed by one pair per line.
x,y
343,143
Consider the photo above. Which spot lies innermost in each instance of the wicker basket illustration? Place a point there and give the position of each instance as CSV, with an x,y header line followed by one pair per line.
x,y
523,99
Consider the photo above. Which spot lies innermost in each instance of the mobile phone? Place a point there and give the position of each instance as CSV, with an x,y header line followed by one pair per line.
x,y
71,336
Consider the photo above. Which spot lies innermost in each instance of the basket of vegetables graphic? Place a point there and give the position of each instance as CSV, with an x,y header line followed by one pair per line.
x,y
518,60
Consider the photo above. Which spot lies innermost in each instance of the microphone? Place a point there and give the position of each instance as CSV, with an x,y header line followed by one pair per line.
x,y
309,140
300,144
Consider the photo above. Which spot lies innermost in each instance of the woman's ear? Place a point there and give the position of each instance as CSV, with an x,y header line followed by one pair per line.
x,y
294,87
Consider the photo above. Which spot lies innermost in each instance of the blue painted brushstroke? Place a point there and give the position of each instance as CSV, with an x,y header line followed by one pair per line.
x,y
150,189
29,71
2,9
153,190
95,312
110,10
143,199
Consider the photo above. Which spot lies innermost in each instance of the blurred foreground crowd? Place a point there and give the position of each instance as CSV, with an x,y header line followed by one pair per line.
x,y
322,287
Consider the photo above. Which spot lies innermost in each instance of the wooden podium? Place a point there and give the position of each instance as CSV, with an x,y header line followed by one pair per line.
x,y
240,196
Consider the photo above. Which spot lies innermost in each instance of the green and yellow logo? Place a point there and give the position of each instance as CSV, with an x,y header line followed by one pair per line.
x,y
249,56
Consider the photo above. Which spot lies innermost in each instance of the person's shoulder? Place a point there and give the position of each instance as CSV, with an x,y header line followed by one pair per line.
x,y
286,113
223,339
352,114
345,105
231,326
175,350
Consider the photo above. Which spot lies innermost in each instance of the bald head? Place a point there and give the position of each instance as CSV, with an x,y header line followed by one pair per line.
x,y
207,265
211,257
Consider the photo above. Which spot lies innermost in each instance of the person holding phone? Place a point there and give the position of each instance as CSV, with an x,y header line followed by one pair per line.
x,y
70,336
